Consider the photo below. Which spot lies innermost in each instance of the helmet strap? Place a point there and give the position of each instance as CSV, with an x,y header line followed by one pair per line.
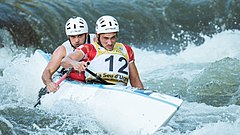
x,y
99,40
85,38
71,44
88,39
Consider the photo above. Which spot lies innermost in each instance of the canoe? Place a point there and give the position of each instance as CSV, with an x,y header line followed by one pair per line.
x,y
120,109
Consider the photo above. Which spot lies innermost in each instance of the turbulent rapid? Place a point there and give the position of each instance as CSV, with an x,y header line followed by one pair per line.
x,y
190,49
166,26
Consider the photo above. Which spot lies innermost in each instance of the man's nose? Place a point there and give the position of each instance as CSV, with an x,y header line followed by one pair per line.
x,y
77,39
109,41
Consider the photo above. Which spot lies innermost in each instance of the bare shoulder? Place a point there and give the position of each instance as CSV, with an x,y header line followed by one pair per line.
x,y
58,54
60,51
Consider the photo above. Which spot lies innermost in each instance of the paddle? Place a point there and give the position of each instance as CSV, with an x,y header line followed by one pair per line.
x,y
44,91
98,77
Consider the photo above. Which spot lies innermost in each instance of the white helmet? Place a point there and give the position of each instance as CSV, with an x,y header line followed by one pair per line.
x,y
75,26
106,24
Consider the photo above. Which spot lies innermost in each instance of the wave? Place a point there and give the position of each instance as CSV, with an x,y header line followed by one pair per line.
x,y
206,77
163,26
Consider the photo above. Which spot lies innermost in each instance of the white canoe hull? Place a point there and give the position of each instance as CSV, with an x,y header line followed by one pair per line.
x,y
120,109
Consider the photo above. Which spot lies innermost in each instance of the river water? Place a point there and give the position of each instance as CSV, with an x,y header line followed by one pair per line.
x,y
185,48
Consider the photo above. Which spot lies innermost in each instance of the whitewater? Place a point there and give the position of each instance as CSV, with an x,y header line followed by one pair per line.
x,y
206,77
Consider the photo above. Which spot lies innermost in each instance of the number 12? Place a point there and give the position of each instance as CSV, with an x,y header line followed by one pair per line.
x,y
121,69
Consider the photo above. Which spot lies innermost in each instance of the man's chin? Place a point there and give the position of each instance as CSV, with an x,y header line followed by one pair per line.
x,y
109,48
77,45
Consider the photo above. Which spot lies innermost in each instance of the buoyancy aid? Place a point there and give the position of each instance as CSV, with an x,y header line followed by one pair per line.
x,y
112,66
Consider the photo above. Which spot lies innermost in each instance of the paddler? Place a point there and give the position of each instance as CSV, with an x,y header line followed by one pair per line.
x,y
110,60
76,29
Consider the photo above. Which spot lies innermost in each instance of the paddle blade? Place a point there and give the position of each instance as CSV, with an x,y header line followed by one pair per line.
x,y
42,91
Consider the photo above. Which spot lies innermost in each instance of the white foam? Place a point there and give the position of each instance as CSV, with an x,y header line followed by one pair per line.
x,y
225,44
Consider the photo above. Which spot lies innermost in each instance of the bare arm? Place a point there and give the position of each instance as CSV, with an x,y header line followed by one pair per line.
x,y
72,60
134,76
52,67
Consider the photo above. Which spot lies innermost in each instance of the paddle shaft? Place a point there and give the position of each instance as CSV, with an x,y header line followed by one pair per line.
x,y
44,91
98,77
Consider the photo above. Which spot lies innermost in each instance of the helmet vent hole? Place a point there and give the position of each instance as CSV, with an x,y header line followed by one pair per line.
x,y
102,22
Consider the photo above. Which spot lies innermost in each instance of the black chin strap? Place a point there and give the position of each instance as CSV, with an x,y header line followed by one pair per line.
x,y
71,44
88,39
99,41
85,39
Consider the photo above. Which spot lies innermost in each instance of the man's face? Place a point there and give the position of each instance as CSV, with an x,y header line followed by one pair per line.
x,y
77,40
108,40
